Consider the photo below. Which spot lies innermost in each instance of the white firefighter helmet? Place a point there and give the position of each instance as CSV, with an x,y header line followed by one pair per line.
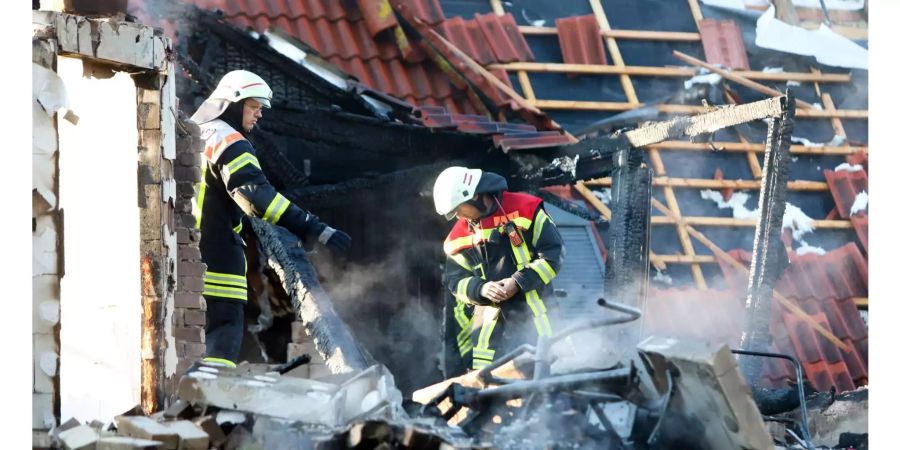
x,y
454,186
233,87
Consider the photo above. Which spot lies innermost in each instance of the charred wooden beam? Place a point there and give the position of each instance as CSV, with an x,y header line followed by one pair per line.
x,y
312,304
769,257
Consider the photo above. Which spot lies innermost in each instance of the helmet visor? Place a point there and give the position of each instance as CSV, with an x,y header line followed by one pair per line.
x,y
264,101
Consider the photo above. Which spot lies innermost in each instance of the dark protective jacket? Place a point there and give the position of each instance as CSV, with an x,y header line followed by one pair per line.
x,y
482,252
232,184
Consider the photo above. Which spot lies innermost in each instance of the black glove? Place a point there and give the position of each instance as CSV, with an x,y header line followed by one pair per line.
x,y
335,240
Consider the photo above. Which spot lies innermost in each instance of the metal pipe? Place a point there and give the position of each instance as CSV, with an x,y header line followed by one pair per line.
x,y
632,314
563,382
484,375
804,426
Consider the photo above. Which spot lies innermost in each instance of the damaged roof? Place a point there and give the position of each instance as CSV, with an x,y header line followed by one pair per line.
x,y
399,50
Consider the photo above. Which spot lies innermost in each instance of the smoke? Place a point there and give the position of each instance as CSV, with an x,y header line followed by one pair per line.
x,y
382,305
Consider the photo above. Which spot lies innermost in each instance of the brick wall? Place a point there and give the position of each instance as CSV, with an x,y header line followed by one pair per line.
x,y
189,316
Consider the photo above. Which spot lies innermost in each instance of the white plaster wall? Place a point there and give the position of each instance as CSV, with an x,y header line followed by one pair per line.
x,y
100,298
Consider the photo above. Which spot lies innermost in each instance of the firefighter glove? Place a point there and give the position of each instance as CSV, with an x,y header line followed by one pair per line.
x,y
335,240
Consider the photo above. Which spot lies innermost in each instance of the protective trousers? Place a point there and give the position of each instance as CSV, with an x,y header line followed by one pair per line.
x,y
225,291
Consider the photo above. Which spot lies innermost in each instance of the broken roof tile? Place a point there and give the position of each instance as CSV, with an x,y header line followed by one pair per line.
x,y
723,43
580,40
845,186
861,226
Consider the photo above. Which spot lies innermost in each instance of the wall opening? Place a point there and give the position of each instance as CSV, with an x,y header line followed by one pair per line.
x,y
100,298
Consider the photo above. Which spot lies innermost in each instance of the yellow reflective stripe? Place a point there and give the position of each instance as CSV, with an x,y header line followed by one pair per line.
x,y
276,208
543,269
462,288
521,255
221,291
465,348
241,161
522,222
539,310
201,195
222,361
480,363
451,246
540,219
482,352
225,278
461,260
238,228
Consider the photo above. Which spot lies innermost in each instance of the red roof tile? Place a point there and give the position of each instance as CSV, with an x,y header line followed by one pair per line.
x,y
580,40
723,43
845,186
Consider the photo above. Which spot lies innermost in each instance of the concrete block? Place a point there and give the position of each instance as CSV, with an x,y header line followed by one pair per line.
x,y
180,409
298,372
45,357
41,440
42,417
212,429
194,317
190,334
81,437
318,371
191,284
183,300
44,252
188,253
190,436
298,333
45,303
190,268
309,348
147,428
194,350
128,443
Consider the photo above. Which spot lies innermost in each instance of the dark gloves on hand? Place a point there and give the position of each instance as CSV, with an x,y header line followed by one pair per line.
x,y
335,240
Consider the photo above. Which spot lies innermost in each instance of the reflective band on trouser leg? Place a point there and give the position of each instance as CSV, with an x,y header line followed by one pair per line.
x,y
538,309
464,337
276,208
541,321
225,285
221,361
201,195
482,354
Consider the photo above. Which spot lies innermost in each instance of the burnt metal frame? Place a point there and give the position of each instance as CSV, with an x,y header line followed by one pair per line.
x,y
804,423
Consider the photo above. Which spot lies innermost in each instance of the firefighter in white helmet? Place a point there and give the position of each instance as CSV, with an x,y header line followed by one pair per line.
x,y
233,184
502,252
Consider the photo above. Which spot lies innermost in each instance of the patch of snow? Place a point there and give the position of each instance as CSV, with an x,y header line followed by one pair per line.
x,y
539,22
819,168
605,195
709,78
797,221
846,5
210,369
828,47
860,203
847,167
793,83
806,142
773,69
736,203
254,383
794,218
662,278
806,248
818,106
223,417
795,158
